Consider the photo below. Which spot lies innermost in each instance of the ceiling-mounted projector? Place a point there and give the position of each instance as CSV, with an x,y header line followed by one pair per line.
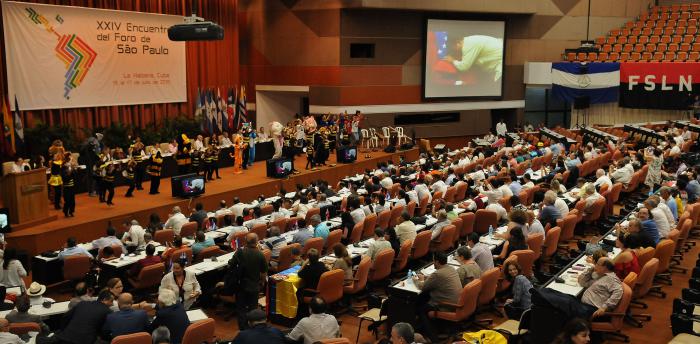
x,y
196,29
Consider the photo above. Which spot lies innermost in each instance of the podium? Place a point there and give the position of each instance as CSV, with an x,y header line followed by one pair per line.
x,y
26,196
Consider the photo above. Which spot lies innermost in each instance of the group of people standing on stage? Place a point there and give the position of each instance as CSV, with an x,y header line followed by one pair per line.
x,y
318,138
200,156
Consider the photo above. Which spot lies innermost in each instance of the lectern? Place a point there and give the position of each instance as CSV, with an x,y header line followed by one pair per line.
x,y
25,194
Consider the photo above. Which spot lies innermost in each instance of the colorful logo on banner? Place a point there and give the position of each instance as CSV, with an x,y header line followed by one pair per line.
x,y
75,54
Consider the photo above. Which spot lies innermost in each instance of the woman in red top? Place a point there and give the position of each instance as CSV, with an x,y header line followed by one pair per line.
x,y
626,261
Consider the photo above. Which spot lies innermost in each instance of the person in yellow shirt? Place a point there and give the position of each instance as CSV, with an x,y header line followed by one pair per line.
x,y
480,50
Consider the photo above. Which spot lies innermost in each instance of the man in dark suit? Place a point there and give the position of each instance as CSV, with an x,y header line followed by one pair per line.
x,y
127,321
199,216
83,323
259,331
172,315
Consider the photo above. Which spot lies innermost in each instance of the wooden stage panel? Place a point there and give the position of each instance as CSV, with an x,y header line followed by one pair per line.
x,y
92,218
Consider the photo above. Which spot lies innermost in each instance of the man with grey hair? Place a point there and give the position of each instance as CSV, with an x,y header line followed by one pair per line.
x,y
549,214
602,179
275,242
171,314
402,333
623,173
321,230
134,235
442,222
658,216
161,335
176,220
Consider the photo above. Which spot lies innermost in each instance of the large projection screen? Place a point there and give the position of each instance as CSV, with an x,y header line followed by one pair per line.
x,y
463,58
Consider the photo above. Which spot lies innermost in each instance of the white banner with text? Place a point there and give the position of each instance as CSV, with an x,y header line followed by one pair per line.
x,y
68,57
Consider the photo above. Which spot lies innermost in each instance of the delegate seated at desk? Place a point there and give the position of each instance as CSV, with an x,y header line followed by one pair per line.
x,y
603,288
442,286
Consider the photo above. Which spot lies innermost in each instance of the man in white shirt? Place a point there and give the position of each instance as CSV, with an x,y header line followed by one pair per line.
x,y
666,210
505,189
134,236
5,335
439,186
498,209
176,220
18,166
109,240
659,218
561,205
406,230
602,179
316,326
501,128
237,207
494,195
624,172
527,182
223,210
386,181
478,174
442,222
198,144
422,190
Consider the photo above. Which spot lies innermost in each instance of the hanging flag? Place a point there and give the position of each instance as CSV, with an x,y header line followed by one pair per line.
x,y
242,111
198,111
19,130
669,86
8,130
230,108
599,81
219,112
211,110
224,111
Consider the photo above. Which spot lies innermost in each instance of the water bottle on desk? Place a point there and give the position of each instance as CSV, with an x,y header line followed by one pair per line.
x,y
183,259
490,231
409,274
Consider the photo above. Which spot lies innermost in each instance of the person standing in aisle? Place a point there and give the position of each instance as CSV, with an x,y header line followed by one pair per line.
x,y
154,167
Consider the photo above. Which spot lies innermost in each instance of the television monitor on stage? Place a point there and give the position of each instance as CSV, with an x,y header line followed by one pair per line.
x,y
346,154
280,167
187,185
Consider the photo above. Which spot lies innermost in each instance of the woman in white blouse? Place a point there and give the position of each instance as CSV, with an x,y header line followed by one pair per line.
x,y
182,283
12,270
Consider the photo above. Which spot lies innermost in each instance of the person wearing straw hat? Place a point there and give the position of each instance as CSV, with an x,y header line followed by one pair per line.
x,y
36,292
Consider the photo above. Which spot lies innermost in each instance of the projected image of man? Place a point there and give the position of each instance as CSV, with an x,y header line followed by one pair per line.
x,y
483,51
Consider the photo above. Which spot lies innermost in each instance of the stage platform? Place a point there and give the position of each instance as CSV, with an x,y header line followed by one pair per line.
x,y
92,218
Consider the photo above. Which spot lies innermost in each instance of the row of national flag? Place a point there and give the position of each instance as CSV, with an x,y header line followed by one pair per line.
x,y
221,114
11,130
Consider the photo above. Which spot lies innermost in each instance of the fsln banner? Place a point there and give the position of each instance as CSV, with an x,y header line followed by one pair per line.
x,y
65,57
671,85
